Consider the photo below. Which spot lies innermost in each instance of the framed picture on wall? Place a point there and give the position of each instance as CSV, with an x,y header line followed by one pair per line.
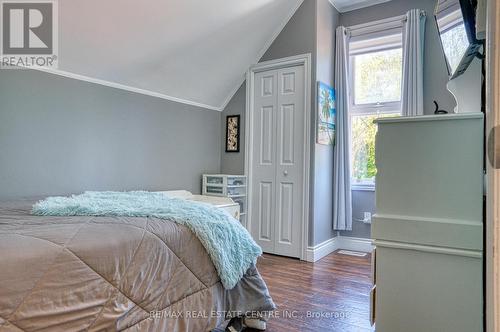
x,y
326,114
233,133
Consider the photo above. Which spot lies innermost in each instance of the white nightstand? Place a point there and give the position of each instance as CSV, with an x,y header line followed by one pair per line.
x,y
224,203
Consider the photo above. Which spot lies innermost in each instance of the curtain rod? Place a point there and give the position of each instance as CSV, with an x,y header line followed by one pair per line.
x,y
400,18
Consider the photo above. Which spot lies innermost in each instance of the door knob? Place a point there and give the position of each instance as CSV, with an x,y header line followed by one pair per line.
x,y
285,173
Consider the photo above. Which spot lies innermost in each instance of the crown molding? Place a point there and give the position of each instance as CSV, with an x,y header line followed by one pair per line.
x,y
333,4
125,87
358,5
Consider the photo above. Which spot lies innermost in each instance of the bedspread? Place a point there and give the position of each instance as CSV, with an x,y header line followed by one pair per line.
x,y
112,274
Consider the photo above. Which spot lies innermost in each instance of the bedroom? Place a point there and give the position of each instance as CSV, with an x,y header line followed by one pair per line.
x,y
142,112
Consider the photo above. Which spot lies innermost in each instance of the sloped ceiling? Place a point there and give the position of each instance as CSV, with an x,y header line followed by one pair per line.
x,y
193,51
348,5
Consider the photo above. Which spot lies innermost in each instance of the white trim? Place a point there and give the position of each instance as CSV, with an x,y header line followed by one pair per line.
x,y
362,186
355,244
358,5
392,107
124,87
335,6
294,60
325,248
305,60
262,52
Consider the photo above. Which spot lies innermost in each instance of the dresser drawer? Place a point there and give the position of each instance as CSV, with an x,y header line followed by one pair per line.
x,y
215,190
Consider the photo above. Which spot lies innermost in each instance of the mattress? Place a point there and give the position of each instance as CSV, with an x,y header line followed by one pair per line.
x,y
113,274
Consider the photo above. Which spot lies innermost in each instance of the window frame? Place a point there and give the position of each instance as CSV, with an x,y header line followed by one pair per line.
x,y
370,108
389,107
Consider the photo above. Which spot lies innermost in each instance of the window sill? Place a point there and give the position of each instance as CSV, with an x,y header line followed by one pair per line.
x,y
362,187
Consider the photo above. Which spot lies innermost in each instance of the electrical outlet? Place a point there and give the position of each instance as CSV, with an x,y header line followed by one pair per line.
x,y
368,218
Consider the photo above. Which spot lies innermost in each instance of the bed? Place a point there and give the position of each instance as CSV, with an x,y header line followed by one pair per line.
x,y
113,274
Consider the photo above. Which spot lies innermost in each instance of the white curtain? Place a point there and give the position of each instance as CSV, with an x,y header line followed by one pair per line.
x,y
412,97
342,198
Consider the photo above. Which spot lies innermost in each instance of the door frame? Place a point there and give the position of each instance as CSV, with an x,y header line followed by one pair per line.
x,y
493,175
297,60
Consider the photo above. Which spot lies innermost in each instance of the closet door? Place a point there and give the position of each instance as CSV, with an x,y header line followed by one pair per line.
x,y
264,159
278,160
290,161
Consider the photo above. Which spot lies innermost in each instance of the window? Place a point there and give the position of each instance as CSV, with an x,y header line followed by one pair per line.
x,y
375,75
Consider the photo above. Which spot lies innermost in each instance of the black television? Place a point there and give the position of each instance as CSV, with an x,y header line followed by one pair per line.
x,y
456,25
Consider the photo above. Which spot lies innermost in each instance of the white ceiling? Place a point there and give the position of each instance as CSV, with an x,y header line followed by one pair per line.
x,y
194,51
348,5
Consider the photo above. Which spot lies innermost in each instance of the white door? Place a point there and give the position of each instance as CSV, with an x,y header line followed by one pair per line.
x,y
278,160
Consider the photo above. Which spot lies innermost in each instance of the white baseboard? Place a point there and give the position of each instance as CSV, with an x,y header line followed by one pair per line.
x,y
355,244
321,250
313,254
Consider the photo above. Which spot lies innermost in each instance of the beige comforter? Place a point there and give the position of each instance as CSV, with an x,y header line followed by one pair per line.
x,y
110,273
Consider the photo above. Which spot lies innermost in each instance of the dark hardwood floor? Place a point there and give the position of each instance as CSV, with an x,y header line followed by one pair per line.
x,y
329,295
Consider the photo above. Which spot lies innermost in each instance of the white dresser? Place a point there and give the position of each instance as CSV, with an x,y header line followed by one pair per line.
x,y
428,229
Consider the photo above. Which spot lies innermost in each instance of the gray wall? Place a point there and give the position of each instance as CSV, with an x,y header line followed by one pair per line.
x,y
362,201
234,162
327,20
60,135
297,37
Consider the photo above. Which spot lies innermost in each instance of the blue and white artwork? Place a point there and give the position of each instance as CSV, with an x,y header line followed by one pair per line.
x,y
326,114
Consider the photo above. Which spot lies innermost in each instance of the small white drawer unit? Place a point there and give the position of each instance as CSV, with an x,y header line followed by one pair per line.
x,y
225,185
